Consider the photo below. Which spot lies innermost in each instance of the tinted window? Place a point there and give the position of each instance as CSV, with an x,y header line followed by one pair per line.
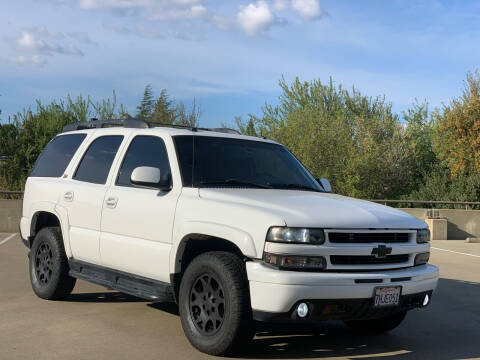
x,y
144,151
98,159
225,162
56,156
184,149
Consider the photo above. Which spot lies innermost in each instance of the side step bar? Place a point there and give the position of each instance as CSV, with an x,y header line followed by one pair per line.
x,y
141,287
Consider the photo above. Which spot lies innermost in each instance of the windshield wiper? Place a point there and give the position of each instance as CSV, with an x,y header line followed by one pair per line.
x,y
295,187
235,182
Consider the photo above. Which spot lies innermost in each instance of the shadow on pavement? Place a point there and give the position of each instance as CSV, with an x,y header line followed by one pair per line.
x,y
448,329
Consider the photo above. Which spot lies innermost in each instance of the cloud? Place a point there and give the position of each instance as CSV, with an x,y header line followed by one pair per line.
x,y
179,12
113,4
307,9
29,60
33,44
83,37
46,33
156,10
29,41
154,34
280,5
256,18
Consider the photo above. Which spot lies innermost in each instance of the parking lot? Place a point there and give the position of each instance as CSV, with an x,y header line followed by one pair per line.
x,y
95,323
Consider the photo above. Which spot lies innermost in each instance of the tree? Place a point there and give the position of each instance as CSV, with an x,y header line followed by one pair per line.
x,y
457,140
247,128
22,140
187,117
164,110
354,140
418,157
146,107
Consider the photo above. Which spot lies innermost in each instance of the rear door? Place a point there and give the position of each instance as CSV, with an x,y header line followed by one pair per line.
x,y
136,221
84,193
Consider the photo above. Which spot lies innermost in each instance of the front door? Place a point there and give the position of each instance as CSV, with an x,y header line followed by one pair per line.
x,y
137,222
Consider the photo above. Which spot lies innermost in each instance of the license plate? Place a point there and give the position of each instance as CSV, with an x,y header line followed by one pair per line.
x,y
387,296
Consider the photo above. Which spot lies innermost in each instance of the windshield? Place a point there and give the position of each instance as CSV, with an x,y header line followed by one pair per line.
x,y
207,161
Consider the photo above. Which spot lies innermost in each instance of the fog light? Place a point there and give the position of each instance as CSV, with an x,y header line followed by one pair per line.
x,y
422,259
295,262
302,310
426,300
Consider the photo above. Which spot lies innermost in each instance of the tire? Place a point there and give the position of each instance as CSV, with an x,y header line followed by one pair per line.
x,y
214,303
49,266
377,326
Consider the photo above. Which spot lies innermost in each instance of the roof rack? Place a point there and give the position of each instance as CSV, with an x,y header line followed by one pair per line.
x,y
137,124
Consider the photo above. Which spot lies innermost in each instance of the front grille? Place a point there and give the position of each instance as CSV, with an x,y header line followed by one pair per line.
x,y
367,259
341,237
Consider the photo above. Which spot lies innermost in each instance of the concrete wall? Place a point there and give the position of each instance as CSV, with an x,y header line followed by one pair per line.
x,y
10,214
461,223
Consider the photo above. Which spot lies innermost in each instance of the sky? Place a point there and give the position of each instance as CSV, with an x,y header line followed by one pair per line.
x,y
230,55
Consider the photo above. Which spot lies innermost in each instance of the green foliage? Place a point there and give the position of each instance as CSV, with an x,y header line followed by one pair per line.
x,y
27,133
164,110
354,140
439,185
147,105
187,117
457,131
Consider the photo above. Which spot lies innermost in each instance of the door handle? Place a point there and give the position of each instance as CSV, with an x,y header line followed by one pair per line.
x,y
68,196
111,202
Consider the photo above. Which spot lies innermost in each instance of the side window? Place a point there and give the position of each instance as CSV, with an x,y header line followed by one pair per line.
x,y
98,159
144,151
56,156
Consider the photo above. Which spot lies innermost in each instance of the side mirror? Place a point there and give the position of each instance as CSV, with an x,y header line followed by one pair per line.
x,y
325,184
147,176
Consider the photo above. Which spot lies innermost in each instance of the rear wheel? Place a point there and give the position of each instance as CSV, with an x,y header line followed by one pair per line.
x,y
377,326
214,303
49,265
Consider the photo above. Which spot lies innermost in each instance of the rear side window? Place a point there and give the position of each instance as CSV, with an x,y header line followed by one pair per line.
x,y
98,159
56,156
144,151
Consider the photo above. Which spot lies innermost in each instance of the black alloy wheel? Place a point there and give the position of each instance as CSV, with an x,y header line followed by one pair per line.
x,y
44,263
48,265
214,303
207,304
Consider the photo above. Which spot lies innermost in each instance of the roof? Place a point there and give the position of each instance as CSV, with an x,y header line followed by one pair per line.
x,y
135,125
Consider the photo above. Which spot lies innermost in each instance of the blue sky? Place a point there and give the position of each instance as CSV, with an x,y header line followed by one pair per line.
x,y
229,55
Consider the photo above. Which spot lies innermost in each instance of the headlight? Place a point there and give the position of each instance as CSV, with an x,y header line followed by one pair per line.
x,y
423,236
295,262
296,235
422,259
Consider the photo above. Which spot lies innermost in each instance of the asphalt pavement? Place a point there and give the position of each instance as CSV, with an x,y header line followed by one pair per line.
x,y
95,323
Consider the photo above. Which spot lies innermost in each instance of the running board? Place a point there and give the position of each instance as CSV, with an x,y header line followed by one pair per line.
x,y
141,287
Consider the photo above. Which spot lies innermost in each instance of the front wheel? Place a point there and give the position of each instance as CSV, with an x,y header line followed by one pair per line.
x,y
377,326
214,303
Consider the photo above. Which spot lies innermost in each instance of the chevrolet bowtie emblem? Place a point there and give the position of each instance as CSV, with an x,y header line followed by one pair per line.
x,y
381,251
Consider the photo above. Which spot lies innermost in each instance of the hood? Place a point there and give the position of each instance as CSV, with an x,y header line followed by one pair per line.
x,y
312,209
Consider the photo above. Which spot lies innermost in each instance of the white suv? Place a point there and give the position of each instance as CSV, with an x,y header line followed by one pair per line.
x,y
232,228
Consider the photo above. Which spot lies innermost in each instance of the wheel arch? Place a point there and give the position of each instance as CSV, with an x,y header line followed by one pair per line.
x,y
49,214
200,231
193,244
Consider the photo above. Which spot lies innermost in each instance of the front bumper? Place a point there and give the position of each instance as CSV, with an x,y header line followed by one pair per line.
x,y
277,291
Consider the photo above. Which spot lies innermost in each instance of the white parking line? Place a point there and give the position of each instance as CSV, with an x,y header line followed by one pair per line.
x,y
8,238
456,252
